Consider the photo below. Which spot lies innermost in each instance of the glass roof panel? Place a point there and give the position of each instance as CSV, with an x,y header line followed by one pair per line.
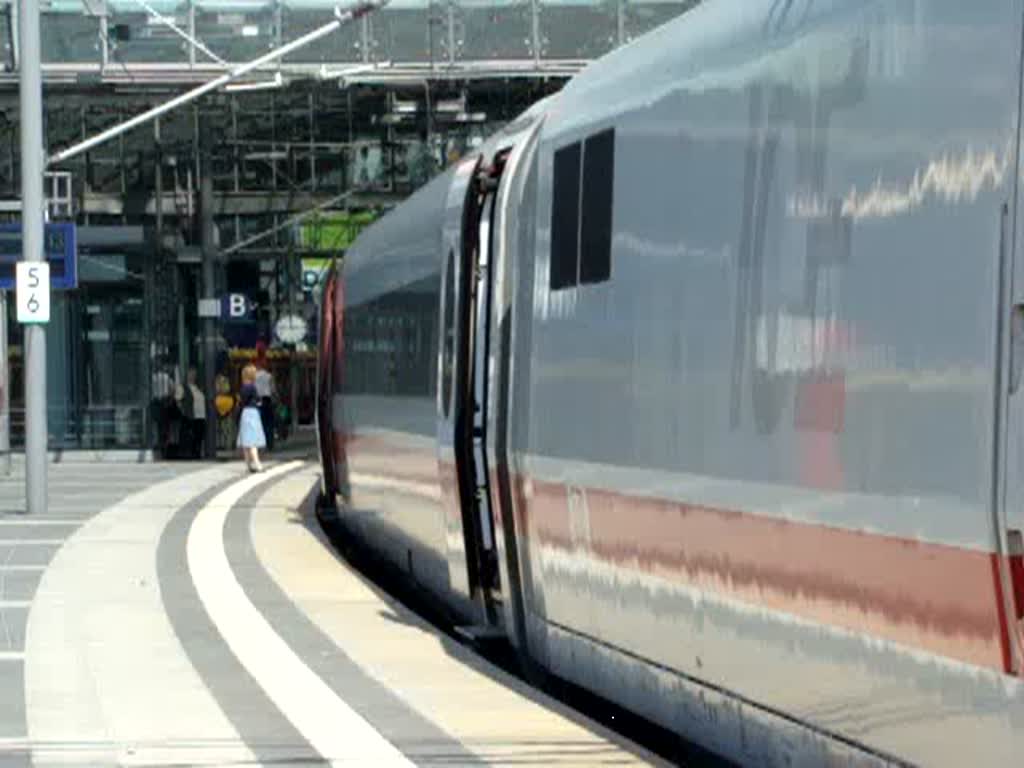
x,y
406,31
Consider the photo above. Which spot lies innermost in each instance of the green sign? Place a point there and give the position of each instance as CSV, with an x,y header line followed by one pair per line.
x,y
333,231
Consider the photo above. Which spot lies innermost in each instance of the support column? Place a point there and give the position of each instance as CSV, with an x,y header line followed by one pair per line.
x,y
32,202
312,142
451,32
104,36
236,147
293,369
535,31
151,304
209,290
191,34
364,38
278,24
158,194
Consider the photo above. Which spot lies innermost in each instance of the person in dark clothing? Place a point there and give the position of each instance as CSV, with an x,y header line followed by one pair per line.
x,y
161,407
192,404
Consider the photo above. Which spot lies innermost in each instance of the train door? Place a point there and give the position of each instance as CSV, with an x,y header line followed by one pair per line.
x,y
1008,491
478,358
1008,453
466,536
464,392
506,230
326,352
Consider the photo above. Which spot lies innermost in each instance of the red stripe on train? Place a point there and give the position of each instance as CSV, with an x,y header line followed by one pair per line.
x,y
924,595
933,597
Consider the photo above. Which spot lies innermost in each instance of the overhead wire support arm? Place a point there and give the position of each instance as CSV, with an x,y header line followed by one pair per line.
x,y
342,17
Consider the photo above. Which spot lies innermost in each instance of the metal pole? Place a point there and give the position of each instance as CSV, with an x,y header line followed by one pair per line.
x,y
364,39
31,97
535,31
342,18
104,37
209,292
273,145
159,182
430,114
293,372
312,141
236,155
278,22
152,307
192,33
430,31
451,32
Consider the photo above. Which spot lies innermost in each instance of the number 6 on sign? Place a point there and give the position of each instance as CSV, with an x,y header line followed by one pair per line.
x,y
32,291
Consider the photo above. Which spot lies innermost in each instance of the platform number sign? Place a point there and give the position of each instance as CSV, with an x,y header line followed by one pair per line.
x,y
32,290
235,308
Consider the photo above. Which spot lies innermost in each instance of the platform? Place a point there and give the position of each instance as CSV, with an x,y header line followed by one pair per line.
x,y
175,615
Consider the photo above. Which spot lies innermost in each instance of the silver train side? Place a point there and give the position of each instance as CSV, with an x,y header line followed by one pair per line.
x,y
701,382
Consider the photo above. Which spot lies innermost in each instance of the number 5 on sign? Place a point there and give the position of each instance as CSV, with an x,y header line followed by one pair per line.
x,y
33,291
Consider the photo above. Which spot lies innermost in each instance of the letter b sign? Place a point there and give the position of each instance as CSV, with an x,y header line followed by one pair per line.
x,y
234,307
237,305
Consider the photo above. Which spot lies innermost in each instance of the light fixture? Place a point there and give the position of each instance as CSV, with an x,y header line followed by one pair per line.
x,y
272,155
451,106
404,107
393,119
265,85
327,74
461,117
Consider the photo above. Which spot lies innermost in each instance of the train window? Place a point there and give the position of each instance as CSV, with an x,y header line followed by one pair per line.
x,y
596,213
448,335
565,219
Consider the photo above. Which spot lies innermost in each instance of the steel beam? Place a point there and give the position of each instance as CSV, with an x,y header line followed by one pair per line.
x,y
32,221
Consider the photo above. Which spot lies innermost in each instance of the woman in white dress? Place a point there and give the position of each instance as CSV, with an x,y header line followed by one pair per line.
x,y
250,428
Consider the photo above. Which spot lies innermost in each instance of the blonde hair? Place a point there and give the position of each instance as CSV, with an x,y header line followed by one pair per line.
x,y
249,374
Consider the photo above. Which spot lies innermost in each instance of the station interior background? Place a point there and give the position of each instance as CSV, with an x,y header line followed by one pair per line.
x,y
300,156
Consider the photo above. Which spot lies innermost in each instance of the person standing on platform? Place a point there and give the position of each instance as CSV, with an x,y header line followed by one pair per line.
x,y
265,390
192,404
224,405
250,428
159,408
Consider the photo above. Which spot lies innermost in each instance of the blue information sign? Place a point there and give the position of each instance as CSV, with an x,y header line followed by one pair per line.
x,y
60,245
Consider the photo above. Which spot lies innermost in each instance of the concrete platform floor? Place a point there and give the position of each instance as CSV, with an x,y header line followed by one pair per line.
x,y
183,614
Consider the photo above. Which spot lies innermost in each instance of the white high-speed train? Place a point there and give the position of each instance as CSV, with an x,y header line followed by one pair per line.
x,y
701,381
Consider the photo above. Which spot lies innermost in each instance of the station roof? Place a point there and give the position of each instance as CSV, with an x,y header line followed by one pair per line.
x,y
516,37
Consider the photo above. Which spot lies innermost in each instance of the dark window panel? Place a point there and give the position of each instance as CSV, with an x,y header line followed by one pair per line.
x,y
596,221
565,217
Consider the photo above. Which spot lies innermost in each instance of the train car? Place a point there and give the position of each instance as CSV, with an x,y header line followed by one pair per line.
x,y
700,382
